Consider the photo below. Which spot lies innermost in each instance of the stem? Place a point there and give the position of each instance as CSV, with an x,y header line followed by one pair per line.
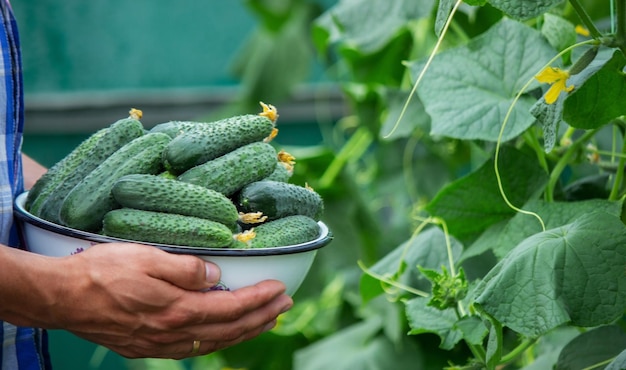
x,y
585,19
393,283
517,351
619,175
354,148
563,162
530,137
620,34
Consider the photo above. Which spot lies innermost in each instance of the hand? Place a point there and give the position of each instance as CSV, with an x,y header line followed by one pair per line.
x,y
142,302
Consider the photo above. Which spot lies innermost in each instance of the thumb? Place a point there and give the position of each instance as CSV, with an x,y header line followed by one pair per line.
x,y
187,272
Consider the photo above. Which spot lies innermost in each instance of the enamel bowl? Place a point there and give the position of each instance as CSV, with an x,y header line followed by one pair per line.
x,y
240,267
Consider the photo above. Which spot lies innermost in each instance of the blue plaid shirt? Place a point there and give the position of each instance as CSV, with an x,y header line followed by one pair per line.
x,y
22,348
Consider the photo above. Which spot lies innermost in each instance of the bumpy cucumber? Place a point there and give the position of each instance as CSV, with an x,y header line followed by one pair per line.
x,y
117,135
284,167
232,171
166,228
175,128
86,204
209,141
59,171
281,173
276,199
156,193
284,231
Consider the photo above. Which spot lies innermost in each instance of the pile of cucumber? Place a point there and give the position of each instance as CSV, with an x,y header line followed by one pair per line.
x,y
217,184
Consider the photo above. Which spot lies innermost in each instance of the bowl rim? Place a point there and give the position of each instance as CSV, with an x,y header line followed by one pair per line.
x,y
23,215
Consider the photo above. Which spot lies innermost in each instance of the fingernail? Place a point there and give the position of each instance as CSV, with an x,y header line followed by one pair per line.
x,y
212,273
287,307
269,326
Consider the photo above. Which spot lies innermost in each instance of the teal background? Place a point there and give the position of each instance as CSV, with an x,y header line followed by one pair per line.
x,y
141,44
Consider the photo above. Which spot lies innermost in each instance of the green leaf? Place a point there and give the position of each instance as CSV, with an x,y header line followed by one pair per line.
x,y
427,319
358,347
559,32
427,249
550,117
471,204
443,13
571,274
601,96
525,9
468,90
368,25
473,329
592,347
554,214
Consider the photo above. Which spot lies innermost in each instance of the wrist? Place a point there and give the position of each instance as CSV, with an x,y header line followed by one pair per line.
x,y
30,287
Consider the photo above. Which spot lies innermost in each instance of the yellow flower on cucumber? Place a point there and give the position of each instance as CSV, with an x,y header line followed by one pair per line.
x,y
558,79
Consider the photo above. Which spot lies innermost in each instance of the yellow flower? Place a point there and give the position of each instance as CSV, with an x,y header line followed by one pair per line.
x,y
558,79
581,30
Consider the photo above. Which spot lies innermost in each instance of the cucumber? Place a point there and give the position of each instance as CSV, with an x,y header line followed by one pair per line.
x,y
284,231
166,228
207,142
284,167
231,172
276,199
117,135
86,204
61,170
175,128
156,193
281,173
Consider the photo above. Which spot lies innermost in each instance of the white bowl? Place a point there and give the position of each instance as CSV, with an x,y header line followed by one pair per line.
x,y
240,267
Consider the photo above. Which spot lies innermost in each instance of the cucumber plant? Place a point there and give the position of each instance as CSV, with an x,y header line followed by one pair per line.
x,y
520,102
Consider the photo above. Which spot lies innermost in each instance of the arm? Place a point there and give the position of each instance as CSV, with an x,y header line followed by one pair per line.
x,y
136,300
32,171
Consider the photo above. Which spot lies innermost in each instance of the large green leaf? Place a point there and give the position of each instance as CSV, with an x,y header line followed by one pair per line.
x,y
601,98
571,274
468,90
501,240
471,204
367,25
593,347
525,9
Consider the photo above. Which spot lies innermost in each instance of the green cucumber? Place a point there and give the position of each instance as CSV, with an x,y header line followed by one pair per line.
x,y
175,128
229,173
86,204
207,142
282,172
117,135
156,193
61,170
276,199
166,228
290,230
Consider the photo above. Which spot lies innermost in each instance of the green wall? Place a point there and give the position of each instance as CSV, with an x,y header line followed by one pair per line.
x,y
75,45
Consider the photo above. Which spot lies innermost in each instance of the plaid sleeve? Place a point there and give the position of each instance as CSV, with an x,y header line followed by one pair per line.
x,y
22,348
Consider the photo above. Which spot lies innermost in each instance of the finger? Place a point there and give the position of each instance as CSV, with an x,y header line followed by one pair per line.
x,y
228,306
185,272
